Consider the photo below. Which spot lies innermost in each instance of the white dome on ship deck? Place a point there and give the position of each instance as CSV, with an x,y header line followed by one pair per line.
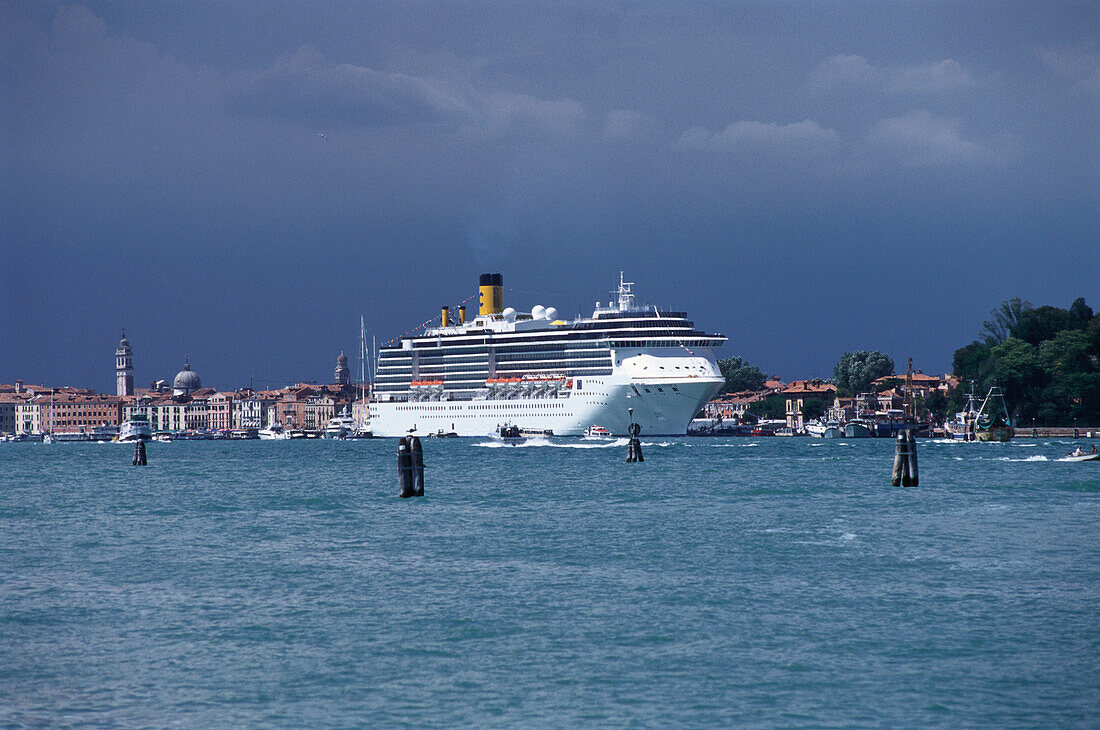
x,y
538,312
551,313
508,314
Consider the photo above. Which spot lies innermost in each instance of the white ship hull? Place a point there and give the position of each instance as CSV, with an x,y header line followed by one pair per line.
x,y
541,373
135,431
603,401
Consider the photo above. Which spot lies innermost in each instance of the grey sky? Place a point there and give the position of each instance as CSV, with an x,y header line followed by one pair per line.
x,y
241,180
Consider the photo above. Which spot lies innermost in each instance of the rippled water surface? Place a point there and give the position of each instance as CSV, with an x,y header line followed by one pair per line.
x,y
723,582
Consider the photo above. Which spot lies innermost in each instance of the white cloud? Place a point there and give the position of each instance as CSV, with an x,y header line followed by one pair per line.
x,y
931,78
919,139
498,111
841,71
800,137
1081,67
838,72
305,86
623,124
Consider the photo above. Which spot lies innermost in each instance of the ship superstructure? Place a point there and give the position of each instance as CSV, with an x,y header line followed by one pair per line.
x,y
538,371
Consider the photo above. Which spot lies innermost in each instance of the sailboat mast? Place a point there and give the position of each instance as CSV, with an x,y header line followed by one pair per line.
x,y
362,355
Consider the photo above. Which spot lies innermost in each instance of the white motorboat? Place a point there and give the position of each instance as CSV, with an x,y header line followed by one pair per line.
x,y
597,432
825,429
1080,454
339,427
274,432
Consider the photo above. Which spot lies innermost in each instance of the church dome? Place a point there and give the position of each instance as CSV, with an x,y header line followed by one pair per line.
x,y
343,359
124,344
186,381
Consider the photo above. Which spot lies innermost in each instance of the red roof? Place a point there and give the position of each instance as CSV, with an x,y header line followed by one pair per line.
x,y
808,386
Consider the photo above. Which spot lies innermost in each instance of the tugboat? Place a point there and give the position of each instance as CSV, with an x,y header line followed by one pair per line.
x,y
961,428
993,422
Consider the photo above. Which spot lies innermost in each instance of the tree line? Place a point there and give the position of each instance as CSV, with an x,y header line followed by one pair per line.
x,y
1046,359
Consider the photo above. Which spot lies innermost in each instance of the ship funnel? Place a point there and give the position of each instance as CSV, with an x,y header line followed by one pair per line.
x,y
462,314
491,290
446,316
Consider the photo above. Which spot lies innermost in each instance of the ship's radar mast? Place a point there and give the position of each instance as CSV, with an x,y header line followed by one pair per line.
x,y
626,294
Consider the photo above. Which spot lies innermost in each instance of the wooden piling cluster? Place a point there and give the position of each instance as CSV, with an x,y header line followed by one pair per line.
x,y
905,460
634,448
410,467
139,453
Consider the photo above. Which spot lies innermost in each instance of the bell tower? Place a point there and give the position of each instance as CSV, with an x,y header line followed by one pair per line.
x,y
124,367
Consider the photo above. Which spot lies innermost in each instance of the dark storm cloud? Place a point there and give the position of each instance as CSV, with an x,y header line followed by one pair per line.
x,y
788,174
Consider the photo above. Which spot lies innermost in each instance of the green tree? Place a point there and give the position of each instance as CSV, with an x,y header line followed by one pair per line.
x,y
1080,313
1047,365
740,375
1082,391
856,370
1092,332
814,408
1041,324
774,406
1005,319
1018,371
972,362
1065,353
935,404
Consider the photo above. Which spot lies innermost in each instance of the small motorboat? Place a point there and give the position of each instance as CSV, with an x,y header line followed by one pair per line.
x,y
597,432
1080,454
441,434
509,434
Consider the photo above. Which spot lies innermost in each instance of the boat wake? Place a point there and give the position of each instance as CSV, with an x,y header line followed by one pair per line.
x,y
1037,457
536,442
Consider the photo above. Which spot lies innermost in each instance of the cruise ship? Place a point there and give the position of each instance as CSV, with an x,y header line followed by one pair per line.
x,y
537,371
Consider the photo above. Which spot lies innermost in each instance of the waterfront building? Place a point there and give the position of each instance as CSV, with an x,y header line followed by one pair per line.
x,y
9,402
124,368
923,385
250,409
360,412
219,411
28,418
733,406
800,392
736,405
67,412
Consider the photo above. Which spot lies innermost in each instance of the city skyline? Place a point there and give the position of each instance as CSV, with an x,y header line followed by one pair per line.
x,y
240,182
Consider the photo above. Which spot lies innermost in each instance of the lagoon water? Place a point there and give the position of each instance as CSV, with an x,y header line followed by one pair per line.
x,y
722,583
